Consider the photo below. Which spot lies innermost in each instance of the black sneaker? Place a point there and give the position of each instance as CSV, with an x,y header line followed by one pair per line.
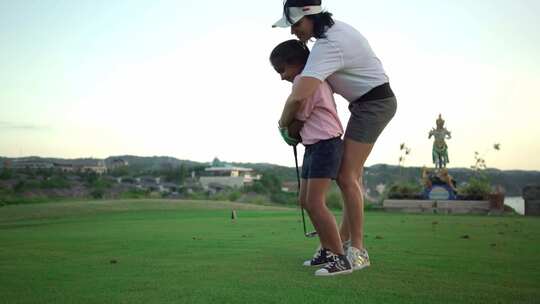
x,y
337,264
319,258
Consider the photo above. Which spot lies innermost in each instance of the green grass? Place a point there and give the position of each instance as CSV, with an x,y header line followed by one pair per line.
x,y
190,252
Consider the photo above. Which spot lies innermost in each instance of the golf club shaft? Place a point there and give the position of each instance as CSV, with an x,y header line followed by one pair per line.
x,y
298,180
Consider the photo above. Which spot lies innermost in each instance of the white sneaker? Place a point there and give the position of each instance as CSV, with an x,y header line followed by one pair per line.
x,y
359,258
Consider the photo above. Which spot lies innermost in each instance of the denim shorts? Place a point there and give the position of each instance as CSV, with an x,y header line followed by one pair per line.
x,y
322,159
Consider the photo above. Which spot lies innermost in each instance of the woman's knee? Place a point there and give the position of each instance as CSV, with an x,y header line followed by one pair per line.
x,y
348,180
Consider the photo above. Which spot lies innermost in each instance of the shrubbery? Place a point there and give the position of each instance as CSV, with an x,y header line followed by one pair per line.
x,y
334,200
478,187
234,195
55,182
405,190
98,186
6,174
134,194
284,198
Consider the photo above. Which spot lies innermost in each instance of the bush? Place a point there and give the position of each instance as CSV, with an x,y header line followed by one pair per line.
x,y
284,198
17,200
477,187
102,183
97,193
134,194
6,174
19,186
88,177
234,196
268,184
259,200
155,194
405,190
55,182
256,187
219,196
334,200
197,196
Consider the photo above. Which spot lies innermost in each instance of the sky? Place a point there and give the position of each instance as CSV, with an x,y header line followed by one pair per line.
x,y
191,79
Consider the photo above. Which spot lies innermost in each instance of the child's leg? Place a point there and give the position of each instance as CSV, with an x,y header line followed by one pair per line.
x,y
322,218
302,197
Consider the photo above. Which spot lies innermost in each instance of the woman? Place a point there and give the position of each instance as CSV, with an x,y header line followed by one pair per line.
x,y
344,58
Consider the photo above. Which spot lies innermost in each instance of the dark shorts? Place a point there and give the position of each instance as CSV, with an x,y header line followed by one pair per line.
x,y
369,118
322,159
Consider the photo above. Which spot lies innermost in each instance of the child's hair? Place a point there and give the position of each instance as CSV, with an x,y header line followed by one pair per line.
x,y
321,21
290,52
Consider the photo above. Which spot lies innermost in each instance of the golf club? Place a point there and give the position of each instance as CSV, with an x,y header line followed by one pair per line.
x,y
306,234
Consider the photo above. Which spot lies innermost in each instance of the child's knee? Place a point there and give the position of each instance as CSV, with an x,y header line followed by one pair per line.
x,y
315,206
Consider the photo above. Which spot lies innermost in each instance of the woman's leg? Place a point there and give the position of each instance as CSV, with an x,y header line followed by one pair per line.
x,y
344,230
350,183
322,218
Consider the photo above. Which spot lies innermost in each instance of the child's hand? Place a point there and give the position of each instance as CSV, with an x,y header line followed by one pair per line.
x,y
287,138
294,129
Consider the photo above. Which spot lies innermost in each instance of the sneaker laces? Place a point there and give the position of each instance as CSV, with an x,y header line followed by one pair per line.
x,y
346,245
318,254
363,253
333,261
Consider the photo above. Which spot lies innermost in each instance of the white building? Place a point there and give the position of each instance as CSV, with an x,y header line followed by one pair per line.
x,y
31,163
91,165
234,177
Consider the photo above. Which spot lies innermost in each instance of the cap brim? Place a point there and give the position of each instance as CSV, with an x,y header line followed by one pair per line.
x,y
284,23
281,23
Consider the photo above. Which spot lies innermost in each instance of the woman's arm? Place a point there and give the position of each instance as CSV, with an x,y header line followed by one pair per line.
x,y
304,88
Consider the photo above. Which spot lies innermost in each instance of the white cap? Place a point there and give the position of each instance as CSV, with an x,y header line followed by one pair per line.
x,y
296,13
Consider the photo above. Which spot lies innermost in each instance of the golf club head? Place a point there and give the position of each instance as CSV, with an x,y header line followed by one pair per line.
x,y
311,234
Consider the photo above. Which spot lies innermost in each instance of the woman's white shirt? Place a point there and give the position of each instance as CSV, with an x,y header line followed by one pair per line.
x,y
345,59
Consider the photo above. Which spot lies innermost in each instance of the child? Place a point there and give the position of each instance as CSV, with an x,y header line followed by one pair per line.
x,y
321,135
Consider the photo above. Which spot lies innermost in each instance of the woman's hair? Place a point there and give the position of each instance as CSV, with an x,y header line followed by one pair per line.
x,y
321,21
290,52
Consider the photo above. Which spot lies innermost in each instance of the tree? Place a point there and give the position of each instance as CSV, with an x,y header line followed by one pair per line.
x,y
6,173
271,182
176,175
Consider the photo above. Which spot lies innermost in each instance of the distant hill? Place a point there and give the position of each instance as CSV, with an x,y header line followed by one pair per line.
x,y
513,180
153,163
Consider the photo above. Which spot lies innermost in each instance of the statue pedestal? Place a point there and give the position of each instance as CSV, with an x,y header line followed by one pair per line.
x,y
439,192
437,206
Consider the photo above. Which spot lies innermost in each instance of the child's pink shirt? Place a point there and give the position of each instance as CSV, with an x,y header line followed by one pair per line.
x,y
319,115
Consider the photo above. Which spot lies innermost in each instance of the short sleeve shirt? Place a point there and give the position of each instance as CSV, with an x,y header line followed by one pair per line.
x,y
345,59
319,115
